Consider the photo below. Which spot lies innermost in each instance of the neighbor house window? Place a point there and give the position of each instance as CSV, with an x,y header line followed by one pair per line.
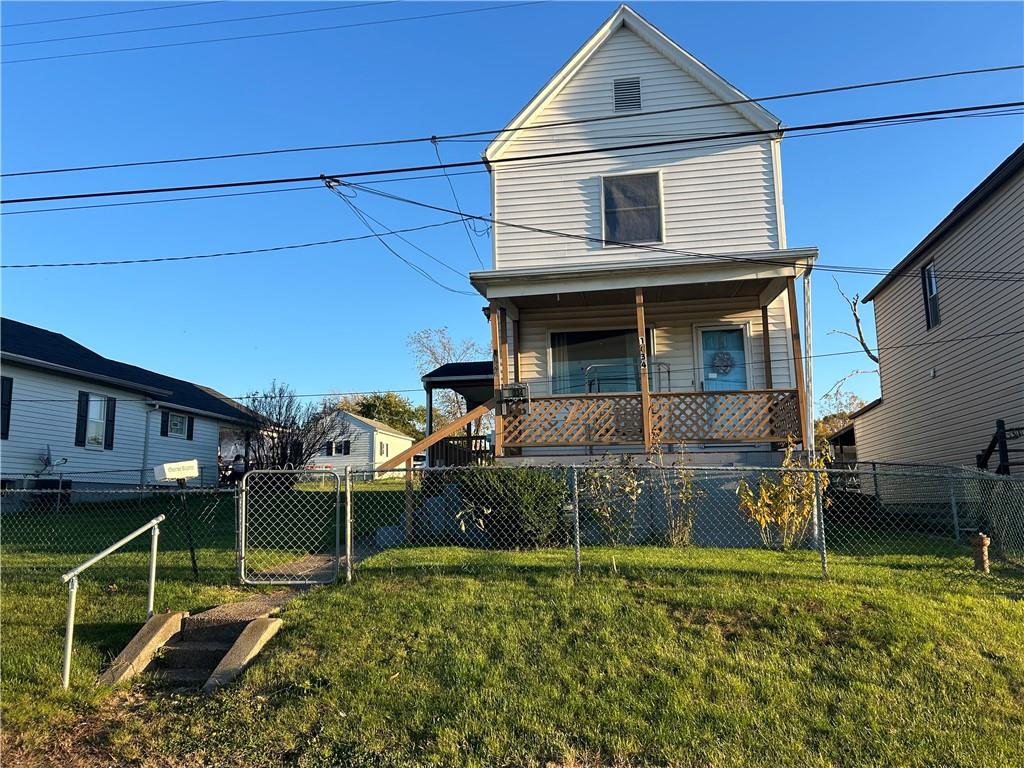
x,y
177,425
383,448
632,208
930,286
96,427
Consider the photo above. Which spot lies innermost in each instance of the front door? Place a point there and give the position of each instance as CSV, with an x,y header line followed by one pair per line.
x,y
723,359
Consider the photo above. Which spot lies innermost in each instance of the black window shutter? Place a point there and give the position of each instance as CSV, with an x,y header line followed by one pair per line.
x,y
108,433
190,427
83,416
165,417
6,388
329,448
924,294
347,447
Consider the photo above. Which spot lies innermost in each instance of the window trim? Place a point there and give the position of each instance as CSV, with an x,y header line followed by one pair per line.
x,y
930,280
661,208
184,425
89,420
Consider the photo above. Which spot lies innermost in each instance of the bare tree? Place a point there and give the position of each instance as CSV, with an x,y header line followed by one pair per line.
x,y
290,431
854,301
433,347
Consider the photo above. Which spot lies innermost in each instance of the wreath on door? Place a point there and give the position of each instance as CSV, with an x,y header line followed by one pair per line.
x,y
722,362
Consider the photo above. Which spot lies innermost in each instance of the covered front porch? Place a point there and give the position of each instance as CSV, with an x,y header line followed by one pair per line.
x,y
648,360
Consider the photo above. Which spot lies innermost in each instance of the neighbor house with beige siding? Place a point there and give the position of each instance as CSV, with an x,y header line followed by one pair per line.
x,y
950,326
642,295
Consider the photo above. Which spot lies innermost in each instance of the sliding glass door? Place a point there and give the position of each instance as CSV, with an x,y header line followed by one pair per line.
x,y
595,361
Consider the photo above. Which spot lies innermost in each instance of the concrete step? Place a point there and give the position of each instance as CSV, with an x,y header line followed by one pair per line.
x,y
225,623
181,678
193,654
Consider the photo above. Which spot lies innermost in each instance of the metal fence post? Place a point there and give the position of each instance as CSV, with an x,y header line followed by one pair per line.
x,y
151,594
348,525
574,494
820,518
69,632
874,477
953,509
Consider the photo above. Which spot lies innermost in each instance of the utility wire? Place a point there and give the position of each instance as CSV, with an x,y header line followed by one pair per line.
x,y
113,13
455,197
502,131
797,358
397,179
272,34
521,159
349,6
419,270
994,276
248,251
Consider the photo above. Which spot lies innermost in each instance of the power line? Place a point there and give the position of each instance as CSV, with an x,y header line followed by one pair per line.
x,y
458,206
419,270
797,358
996,276
272,34
501,131
424,176
113,13
199,23
544,156
247,251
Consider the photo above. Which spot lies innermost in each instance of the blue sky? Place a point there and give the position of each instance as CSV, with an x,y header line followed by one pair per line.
x,y
336,318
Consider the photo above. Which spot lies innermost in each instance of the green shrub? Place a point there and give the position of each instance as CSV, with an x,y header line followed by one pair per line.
x,y
516,507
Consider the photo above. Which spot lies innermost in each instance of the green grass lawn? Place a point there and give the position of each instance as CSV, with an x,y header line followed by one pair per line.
x,y
689,657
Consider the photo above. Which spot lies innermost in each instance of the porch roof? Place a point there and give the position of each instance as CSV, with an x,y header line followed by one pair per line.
x,y
474,380
652,272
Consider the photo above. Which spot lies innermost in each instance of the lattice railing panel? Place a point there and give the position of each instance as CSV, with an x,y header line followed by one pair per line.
x,y
576,420
742,417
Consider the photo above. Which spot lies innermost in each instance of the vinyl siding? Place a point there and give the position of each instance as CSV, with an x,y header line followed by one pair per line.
x,y
950,417
365,448
43,413
716,199
673,337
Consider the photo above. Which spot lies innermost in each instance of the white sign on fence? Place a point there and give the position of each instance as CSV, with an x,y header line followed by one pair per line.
x,y
177,470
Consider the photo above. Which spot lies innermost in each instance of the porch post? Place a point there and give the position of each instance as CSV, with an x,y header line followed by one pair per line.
x,y
430,417
503,330
645,387
766,344
515,351
808,364
798,358
496,363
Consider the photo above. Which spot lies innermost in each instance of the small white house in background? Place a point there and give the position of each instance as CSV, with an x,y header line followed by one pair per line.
x,y
367,444
72,415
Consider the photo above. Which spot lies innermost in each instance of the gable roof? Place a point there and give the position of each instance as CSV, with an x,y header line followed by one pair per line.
x,y
39,348
380,426
624,16
992,183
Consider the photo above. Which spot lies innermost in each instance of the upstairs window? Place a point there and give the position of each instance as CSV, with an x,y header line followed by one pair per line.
x,y
632,208
930,286
177,425
627,94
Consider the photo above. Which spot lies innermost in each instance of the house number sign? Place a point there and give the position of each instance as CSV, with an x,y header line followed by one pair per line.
x,y
643,353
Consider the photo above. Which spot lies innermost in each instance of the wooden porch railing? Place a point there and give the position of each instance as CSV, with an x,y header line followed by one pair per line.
x,y
751,416
460,451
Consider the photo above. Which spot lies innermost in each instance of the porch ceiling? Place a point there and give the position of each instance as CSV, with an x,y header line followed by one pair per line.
x,y
730,289
653,273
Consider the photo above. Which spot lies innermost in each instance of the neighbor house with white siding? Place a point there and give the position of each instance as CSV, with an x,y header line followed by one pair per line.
x,y
642,288
74,416
363,444
949,321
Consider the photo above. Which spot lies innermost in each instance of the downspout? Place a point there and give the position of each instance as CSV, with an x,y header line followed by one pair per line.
x,y
808,367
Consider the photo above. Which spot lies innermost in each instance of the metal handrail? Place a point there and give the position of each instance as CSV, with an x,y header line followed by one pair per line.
x,y
71,579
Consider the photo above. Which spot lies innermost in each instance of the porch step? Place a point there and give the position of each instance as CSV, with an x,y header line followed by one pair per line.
x,y
181,678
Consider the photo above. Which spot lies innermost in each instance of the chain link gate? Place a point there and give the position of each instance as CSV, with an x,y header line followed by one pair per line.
x,y
289,527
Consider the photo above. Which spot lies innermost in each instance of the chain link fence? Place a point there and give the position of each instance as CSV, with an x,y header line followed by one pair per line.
x,y
848,512
46,532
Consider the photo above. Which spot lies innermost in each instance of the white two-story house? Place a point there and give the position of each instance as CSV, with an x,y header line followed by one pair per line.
x,y
641,285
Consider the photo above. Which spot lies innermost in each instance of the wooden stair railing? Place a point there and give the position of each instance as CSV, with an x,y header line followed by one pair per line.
x,y
406,455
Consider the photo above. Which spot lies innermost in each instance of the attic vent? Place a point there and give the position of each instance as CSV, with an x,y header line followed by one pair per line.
x,y
627,94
